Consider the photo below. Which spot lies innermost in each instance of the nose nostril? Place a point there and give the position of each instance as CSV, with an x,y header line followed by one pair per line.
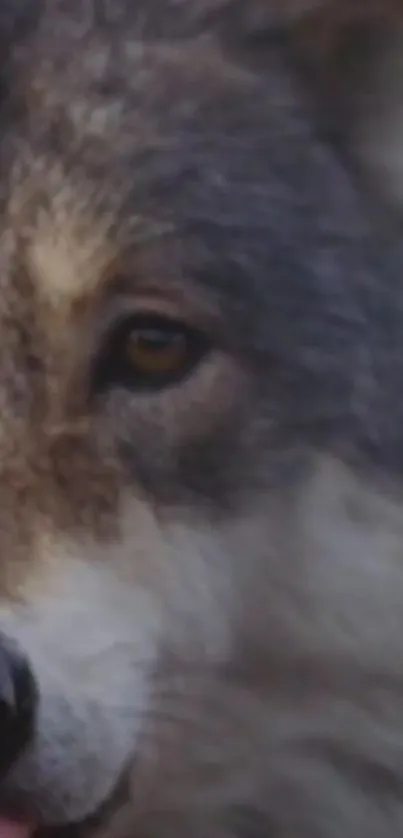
x,y
17,704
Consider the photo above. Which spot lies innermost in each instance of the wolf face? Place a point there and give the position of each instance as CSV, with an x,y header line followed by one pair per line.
x,y
194,351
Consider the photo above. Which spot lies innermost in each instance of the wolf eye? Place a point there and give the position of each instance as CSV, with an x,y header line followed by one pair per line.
x,y
148,352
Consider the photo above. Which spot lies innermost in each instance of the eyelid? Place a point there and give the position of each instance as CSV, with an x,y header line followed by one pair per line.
x,y
143,320
155,304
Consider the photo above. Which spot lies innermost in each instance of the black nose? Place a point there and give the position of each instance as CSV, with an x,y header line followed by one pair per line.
x,y
17,704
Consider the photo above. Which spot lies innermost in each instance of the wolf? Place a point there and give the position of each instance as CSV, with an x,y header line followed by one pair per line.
x,y
201,577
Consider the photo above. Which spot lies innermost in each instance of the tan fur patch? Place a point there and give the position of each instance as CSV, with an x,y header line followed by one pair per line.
x,y
68,259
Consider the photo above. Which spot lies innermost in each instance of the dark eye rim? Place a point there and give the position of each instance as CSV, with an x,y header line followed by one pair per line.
x,y
111,369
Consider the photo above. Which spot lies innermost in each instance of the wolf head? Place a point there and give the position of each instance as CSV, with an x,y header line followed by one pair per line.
x,y
194,340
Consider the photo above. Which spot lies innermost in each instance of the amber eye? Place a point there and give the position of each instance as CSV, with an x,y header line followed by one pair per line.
x,y
156,350
149,352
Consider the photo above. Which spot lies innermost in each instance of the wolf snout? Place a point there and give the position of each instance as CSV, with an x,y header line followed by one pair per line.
x,y
17,704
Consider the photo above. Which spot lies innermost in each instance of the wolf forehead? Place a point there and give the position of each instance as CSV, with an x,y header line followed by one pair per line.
x,y
164,163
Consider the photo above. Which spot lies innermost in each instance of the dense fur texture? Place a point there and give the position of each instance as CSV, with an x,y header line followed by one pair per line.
x,y
206,579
